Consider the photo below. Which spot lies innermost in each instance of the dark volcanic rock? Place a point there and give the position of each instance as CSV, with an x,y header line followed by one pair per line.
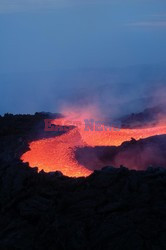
x,y
111,209
133,154
149,116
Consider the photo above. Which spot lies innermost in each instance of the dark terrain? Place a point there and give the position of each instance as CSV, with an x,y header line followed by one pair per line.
x,y
114,208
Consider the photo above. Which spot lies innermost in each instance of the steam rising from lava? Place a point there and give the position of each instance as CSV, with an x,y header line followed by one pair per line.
x,y
58,153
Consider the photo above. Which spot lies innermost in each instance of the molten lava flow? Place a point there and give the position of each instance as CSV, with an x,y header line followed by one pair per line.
x,y
58,153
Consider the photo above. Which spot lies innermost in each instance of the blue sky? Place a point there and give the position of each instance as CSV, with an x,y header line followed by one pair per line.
x,y
50,34
58,35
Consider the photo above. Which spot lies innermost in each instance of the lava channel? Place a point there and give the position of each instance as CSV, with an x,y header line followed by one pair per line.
x,y
58,153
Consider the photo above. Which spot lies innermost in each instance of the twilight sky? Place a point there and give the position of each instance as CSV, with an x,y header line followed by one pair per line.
x,y
52,35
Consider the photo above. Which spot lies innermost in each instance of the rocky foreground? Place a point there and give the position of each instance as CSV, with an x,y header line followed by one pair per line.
x,y
114,208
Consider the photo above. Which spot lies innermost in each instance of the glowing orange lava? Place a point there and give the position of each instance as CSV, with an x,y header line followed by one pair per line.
x,y
57,153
